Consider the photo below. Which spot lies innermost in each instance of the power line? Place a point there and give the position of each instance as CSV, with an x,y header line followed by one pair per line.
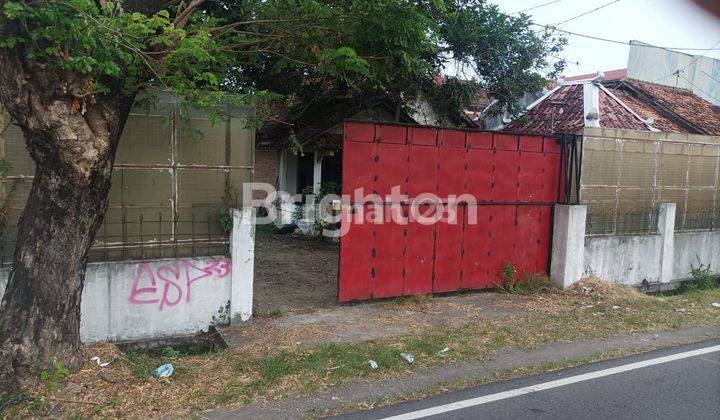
x,y
698,88
693,61
536,7
615,41
586,13
710,77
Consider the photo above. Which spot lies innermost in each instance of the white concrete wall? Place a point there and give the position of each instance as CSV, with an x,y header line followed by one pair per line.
x,y
691,246
623,259
133,300
661,258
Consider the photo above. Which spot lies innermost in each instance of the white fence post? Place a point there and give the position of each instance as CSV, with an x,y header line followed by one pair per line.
x,y
666,230
568,247
242,252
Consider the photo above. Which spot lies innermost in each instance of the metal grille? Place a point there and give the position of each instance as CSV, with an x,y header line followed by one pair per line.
x,y
696,220
633,222
144,238
626,174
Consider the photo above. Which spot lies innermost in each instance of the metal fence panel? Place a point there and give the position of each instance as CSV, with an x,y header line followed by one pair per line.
x,y
626,175
172,179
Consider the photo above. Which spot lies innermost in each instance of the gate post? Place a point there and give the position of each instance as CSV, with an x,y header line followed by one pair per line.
x,y
568,247
666,230
242,253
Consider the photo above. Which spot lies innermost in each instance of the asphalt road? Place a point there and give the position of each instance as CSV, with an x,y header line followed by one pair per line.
x,y
674,383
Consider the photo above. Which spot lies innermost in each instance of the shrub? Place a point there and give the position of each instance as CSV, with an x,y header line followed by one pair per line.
x,y
702,278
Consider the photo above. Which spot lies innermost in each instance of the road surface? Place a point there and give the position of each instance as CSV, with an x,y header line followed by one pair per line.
x,y
677,383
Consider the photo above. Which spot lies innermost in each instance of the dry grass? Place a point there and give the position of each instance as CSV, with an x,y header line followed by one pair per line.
x,y
278,362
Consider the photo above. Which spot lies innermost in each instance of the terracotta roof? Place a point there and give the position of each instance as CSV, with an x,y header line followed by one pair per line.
x,y
614,114
546,118
683,104
648,112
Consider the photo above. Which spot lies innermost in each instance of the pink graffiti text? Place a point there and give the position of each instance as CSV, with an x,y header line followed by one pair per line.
x,y
168,284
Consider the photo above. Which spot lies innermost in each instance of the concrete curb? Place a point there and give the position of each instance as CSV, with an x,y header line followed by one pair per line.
x,y
359,390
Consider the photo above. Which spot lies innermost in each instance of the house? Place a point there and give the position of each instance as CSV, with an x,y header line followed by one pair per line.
x,y
309,156
635,145
619,103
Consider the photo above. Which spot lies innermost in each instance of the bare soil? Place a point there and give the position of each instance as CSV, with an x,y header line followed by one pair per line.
x,y
293,273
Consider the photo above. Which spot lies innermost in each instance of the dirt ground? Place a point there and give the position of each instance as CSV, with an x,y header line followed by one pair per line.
x,y
293,273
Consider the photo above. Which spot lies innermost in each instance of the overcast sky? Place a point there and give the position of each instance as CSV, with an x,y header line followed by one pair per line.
x,y
670,23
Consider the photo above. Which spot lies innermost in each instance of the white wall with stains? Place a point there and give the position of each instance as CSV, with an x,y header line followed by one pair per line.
x,y
135,300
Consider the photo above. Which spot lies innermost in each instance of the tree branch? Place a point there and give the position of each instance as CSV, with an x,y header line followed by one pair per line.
x,y
182,18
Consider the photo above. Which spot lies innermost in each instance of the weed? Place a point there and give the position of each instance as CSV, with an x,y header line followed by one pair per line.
x,y
276,313
52,378
522,284
508,273
225,220
97,408
702,278
223,315
12,400
169,354
142,364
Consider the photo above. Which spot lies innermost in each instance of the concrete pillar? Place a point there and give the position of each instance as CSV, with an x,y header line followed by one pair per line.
x,y
242,252
666,230
568,247
317,172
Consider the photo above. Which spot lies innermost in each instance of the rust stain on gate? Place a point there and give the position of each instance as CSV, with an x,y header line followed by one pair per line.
x,y
508,182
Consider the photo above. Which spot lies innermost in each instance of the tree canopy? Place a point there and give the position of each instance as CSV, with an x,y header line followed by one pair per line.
x,y
302,52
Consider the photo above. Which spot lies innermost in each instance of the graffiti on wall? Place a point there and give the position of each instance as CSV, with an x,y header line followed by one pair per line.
x,y
170,283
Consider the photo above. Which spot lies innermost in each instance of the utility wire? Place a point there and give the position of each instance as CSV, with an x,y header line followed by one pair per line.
x,y
586,13
693,61
615,41
536,7
698,88
710,77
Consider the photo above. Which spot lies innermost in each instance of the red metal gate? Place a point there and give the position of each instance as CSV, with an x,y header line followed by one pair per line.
x,y
513,179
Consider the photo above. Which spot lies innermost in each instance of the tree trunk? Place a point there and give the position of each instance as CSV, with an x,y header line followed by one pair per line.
x,y
40,312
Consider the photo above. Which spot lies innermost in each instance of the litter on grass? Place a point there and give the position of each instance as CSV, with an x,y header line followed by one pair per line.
x,y
716,305
408,357
99,363
164,371
373,364
443,351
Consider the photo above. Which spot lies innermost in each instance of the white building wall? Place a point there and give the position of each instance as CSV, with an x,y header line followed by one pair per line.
x,y
657,65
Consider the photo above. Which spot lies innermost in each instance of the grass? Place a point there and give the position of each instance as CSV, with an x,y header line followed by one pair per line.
x,y
447,386
280,367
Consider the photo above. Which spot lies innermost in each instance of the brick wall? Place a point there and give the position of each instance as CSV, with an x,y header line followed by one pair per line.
x,y
266,169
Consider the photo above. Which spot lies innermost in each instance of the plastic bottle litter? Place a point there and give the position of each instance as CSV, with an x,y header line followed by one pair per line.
x,y
408,357
164,371
373,364
445,350
97,360
716,305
